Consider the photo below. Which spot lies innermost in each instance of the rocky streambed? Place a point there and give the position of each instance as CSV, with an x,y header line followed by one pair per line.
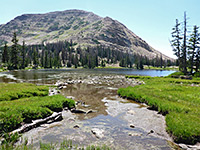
x,y
102,117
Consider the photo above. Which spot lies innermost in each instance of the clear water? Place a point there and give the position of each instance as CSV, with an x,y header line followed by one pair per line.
x,y
47,76
109,116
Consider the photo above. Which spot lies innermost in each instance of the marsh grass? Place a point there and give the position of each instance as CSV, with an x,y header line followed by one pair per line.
x,y
178,99
14,91
13,113
23,102
64,145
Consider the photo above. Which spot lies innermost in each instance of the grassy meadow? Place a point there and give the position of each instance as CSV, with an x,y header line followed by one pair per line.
x,y
23,102
178,99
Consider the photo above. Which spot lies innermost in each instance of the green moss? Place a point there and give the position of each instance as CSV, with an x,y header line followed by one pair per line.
x,y
178,99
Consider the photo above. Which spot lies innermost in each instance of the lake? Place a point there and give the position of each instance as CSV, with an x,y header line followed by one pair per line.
x,y
46,76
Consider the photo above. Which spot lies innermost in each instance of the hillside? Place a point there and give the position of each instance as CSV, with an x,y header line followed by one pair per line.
x,y
84,28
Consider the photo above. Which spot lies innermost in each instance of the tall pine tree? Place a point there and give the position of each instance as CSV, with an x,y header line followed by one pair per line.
x,y
176,42
23,53
193,46
14,52
5,56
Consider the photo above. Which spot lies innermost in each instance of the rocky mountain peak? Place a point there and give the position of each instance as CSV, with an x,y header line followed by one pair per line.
x,y
85,28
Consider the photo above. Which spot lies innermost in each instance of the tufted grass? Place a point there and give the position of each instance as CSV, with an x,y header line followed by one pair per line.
x,y
26,103
14,91
178,99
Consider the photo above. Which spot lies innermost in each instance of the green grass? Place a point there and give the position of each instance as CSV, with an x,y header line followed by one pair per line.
x,y
159,68
64,145
19,90
178,99
23,102
13,113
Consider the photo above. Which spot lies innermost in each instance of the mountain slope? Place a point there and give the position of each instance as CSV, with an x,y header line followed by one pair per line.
x,y
85,28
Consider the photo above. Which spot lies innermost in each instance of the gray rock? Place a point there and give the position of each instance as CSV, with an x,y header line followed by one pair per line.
x,y
134,134
70,97
60,87
183,146
76,126
97,132
79,111
89,111
150,132
131,112
132,126
194,147
64,87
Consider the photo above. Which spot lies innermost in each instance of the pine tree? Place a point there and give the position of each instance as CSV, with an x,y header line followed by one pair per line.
x,y
14,53
161,61
96,61
197,60
141,66
5,56
184,47
193,46
176,42
23,53
50,60
103,63
46,60
35,58
42,59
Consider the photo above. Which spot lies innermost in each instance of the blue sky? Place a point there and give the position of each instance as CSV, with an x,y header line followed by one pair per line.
x,y
152,20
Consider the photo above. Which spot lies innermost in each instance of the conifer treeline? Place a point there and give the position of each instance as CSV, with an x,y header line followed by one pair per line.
x,y
186,47
63,54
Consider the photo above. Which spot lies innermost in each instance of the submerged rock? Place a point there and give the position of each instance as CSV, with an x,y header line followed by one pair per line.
x,y
150,132
97,132
89,111
132,126
70,97
78,111
76,126
183,146
131,112
134,134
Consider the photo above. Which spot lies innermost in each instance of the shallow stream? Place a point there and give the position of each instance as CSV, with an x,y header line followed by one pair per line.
x,y
121,123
